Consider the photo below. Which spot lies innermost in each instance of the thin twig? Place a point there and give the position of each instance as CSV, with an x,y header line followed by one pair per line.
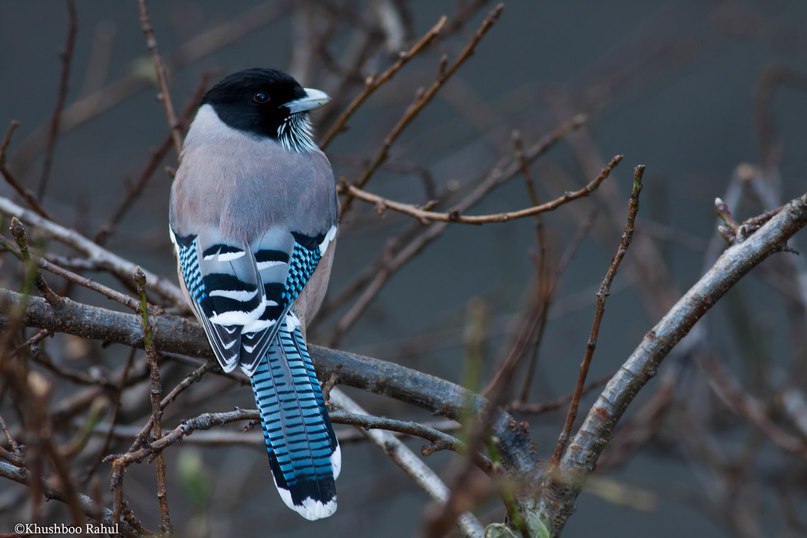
x,y
732,394
18,231
11,179
156,396
162,78
189,380
69,374
390,262
15,447
599,311
545,407
372,83
458,218
116,399
445,441
422,99
157,155
53,130
132,82
85,282
68,484
253,439
531,320
544,284
207,421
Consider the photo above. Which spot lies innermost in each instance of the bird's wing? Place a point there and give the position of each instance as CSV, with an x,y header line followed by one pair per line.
x,y
242,291
285,261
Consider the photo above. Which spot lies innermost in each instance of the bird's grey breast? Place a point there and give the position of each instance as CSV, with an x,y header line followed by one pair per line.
x,y
243,185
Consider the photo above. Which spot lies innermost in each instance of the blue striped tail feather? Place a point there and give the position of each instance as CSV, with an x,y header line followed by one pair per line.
x,y
303,452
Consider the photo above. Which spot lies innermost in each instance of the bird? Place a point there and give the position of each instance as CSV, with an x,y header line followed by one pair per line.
x,y
253,217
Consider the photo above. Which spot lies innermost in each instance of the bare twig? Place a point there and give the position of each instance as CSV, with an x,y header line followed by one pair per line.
x,y
445,441
162,77
64,80
374,82
391,261
156,396
11,441
772,79
12,180
88,506
531,321
68,484
199,46
18,231
545,407
732,394
72,277
189,380
421,100
253,439
118,394
456,217
543,283
496,391
599,311
207,421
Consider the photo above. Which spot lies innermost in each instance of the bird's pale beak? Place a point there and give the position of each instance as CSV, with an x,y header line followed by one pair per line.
x,y
313,99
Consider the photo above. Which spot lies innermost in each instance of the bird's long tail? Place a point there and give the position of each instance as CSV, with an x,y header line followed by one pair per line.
x,y
303,451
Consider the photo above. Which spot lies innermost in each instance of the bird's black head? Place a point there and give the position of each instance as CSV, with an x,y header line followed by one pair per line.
x,y
266,103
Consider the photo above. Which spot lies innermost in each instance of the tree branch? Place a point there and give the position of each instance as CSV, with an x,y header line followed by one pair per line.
x,y
560,488
178,335
53,129
102,257
455,216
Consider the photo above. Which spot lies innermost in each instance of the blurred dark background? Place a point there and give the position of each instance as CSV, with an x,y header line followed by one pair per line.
x,y
692,89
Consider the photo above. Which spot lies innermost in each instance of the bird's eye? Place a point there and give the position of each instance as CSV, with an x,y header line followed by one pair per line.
x,y
260,97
